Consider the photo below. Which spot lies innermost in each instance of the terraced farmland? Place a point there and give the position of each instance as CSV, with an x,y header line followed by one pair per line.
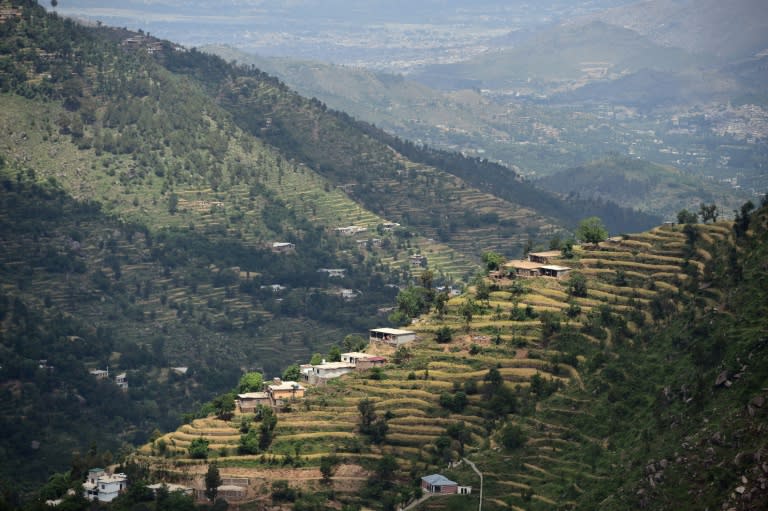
x,y
536,337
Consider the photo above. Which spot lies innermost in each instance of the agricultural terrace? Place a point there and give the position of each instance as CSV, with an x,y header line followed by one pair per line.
x,y
506,388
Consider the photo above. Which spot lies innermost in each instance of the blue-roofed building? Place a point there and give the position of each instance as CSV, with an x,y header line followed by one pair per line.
x,y
438,483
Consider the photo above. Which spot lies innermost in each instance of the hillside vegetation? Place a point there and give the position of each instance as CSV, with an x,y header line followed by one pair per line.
x,y
640,386
143,188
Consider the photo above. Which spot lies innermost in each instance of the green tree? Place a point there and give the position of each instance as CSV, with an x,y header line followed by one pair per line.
x,y
292,373
328,467
212,482
686,217
577,284
334,355
512,436
250,382
198,448
444,334
367,415
708,212
591,230
493,261
353,342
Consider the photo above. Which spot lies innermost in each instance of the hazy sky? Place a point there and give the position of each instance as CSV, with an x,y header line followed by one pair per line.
x,y
376,33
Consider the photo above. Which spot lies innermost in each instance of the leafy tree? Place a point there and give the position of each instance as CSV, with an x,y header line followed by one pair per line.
x,y
741,220
367,415
686,217
708,212
591,230
441,303
577,284
250,382
334,355
249,443
492,260
444,334
198,448
212,482
316,359
328,466
567,249
353,342
224,406
292,373
512,436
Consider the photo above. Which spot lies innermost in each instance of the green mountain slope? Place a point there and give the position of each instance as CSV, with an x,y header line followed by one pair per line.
x,y
642,387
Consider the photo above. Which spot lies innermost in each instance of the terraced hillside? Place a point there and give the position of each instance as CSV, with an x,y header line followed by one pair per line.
x,y
519,388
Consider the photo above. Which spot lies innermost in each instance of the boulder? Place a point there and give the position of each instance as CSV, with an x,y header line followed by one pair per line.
x,y
721,379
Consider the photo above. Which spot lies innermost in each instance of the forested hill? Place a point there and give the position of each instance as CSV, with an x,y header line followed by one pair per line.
x,y
143,186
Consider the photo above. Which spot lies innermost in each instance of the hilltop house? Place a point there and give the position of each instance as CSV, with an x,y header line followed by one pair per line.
x,y
439,484
538,265
281,391
363,361
121,380
417,261
249,401
544,257
392,336
319,374
102,486
282,247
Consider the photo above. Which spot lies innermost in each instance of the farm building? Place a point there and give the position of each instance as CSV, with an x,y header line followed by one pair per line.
x,y
392,336
439,484
321,373
281,391
544,257
281,247
363,361
554,270
536,269
249,401
523,268
417,261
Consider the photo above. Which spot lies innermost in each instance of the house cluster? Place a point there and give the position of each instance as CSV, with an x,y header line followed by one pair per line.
x,y
102,486
275,394
538,264
121,380
319,374
441,485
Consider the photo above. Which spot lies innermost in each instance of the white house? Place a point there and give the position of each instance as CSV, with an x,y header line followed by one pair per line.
x,y
102,486
333,272
321,373
121,380
283,247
